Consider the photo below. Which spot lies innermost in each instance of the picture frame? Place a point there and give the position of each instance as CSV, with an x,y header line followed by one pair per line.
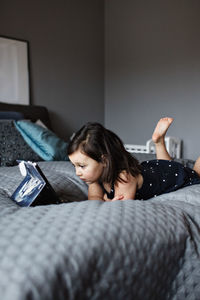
x,y
14,71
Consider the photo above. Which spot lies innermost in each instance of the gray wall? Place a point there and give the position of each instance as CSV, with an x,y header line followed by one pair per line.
x,y
153,69
152,63
67,56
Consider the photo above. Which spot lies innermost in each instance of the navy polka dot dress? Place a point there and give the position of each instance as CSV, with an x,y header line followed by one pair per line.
x,y
164,176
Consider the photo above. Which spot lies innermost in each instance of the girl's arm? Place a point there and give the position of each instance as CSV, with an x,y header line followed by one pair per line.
x,y
123,189
95,192
127,189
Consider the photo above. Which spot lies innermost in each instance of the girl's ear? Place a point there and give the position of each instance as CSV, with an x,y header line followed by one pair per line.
x,y
104,159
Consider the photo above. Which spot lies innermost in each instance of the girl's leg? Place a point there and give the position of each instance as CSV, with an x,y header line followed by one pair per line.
x,y
197,166
158,138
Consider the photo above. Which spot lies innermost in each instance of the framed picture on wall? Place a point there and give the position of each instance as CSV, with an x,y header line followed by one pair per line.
x,y
14,71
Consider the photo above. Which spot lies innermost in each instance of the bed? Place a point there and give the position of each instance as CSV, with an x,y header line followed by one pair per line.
x,y
93,250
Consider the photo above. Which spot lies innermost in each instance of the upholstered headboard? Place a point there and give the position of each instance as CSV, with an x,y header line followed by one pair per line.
x,y
31,112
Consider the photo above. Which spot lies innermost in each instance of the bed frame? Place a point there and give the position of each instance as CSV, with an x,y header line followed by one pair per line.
x,y
31,112
173,145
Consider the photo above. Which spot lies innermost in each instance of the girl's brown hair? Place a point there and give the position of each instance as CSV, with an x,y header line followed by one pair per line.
x,y
104,146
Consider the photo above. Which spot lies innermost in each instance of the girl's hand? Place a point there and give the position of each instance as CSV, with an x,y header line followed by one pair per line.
x,y
117,197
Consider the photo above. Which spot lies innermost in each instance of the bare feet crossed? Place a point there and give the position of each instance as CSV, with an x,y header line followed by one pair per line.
x,y
161,129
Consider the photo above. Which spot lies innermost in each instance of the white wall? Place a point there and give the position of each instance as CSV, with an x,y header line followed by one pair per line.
x,y
153,69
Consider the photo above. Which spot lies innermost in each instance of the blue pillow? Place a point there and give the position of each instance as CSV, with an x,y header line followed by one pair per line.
x,y
43,141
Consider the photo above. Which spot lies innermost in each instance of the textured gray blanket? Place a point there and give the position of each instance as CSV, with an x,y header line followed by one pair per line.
x,y
93,250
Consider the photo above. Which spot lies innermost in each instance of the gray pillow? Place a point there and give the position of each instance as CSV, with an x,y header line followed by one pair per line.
x,y
12,145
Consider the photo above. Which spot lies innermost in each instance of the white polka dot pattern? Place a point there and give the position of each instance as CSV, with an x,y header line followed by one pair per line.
x,y
164,176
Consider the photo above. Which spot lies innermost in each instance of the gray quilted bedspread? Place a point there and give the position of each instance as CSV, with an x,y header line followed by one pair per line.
x,y
93,250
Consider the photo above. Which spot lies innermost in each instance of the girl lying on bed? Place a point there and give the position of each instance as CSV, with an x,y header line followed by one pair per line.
x,y
112,173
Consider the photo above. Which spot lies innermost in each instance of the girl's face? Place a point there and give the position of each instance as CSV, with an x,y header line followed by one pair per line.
x,y
88,169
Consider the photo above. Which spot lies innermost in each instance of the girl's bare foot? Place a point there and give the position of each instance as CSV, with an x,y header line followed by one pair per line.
x,y
161,129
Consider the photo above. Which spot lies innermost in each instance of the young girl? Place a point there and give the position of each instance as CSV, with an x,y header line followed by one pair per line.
x,y
112,173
